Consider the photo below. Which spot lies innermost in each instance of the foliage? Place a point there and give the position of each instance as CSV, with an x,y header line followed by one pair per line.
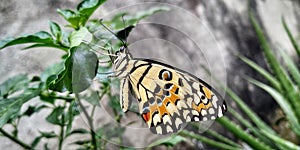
x,y
63,88
58,87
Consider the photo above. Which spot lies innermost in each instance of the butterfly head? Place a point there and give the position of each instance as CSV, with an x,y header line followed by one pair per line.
x,y
121,56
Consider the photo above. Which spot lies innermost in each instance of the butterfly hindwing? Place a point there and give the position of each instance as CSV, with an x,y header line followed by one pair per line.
x,y
169,97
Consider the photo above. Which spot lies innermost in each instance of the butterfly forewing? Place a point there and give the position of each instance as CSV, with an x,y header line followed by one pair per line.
x,y
169,97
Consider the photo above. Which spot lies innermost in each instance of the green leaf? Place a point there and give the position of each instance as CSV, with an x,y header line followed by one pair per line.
x,y
114,103
287,85
252,115
10,107
13,84
81,142
41,37
86,9
45,45
79,70
286,144
72,17
206,140
52,70
291,67
72,112
14,92
283,103
65,39
168,141
36,141
214,134
78,131
55,117
253,129
48,135
93,97
62,81
85,65
273,81
48,97
55,30
242,135
78,36
292,39
79,17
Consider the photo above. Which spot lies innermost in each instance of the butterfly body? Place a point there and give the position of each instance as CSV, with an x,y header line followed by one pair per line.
x,y
167,96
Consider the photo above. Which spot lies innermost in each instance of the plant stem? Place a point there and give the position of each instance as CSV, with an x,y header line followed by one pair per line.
x,y
16,140
206,140
61,136
90,122
242,135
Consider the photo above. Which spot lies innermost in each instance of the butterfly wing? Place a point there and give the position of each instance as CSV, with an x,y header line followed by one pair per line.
x,y
124,94
169,97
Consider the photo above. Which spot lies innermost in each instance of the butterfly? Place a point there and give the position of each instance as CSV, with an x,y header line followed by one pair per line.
x,y
167,96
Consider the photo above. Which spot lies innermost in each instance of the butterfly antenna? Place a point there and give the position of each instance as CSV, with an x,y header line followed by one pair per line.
x,y
111,31
124,23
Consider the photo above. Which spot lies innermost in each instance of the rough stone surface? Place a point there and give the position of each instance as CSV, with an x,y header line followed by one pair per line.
x,y
192,35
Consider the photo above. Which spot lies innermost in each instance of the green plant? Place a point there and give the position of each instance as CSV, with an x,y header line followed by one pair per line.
x,y
283,86
59,87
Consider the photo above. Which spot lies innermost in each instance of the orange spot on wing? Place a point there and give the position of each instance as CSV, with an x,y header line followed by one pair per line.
x,y
201,106
146,116
162,110
174,96
207,92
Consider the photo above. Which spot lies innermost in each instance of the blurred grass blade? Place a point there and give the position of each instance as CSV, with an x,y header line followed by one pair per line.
x,y
283,103
291,67
292,39
250,126
286,144
287,85
273,81
208,141
170,141
252,115
243,135
216,135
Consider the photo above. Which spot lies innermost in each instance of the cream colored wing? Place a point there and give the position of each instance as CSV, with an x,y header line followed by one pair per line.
x,y
169,96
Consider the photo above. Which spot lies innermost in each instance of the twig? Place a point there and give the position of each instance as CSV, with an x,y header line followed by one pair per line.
x,y
16,140
90,122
